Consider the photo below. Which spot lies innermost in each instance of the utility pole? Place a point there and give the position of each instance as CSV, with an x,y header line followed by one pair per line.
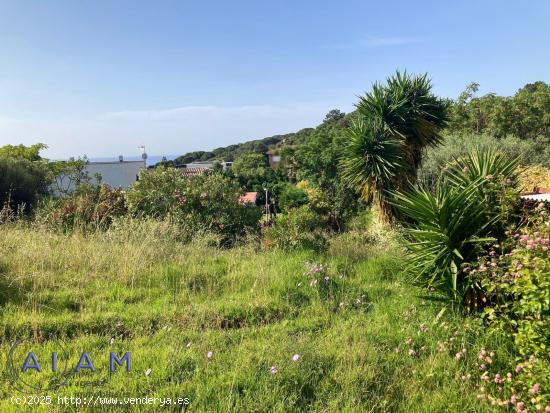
x,y
266,205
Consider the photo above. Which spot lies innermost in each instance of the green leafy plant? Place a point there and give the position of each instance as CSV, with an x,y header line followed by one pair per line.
x,y
370,163
199,203
498,190
298,228
397,121
473,202
22,182
444,230
534,176
89,207
518,285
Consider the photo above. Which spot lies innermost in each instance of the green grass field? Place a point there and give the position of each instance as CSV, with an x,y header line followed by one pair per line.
x,y
367,340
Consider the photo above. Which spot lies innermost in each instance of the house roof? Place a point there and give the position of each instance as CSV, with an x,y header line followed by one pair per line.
x,y
537,197
249,198
539,194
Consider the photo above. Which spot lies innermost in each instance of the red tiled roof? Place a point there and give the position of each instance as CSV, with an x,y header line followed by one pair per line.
x,y
249,198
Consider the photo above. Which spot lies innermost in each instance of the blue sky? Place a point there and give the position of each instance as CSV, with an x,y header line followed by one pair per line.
x,y
102,77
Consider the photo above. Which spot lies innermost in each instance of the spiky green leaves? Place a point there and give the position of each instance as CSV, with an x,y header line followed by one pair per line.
x,y
472,203
371,160
446,227
396,122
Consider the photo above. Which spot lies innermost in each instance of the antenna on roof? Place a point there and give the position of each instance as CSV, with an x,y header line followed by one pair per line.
x,y
143,153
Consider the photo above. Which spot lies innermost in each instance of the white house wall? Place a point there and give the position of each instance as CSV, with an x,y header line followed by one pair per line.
x,y
116,174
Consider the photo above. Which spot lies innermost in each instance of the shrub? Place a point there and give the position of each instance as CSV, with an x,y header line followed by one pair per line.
x,y
291,196
517,285
154,193
534,176
497,192
528,151
472,204
205,202
445,229
298,228
22,182
89,207
316,198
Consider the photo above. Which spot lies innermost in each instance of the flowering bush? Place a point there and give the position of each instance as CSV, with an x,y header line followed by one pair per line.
x,y
517,285
525,386
517,299
88,207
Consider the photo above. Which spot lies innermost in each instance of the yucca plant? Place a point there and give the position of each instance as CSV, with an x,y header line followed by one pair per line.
x,y
499,188
473,202
445,229
407,109
397,121
370,163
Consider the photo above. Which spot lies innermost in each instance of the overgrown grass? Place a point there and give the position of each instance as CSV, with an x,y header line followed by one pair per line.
x,y
367,341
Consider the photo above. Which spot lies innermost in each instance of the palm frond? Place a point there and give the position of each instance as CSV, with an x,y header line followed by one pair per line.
x,y
444,230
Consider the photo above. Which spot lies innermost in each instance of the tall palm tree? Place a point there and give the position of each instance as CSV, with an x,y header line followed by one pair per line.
x,y
396,122
370,162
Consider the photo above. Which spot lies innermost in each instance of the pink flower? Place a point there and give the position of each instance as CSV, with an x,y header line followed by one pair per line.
x,y
519,368
295,357
458,355
535,389
412,353
274,370
514,399
547,409
497,378
520,406
210,354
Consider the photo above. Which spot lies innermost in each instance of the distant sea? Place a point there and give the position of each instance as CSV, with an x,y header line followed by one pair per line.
x,y
151,159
